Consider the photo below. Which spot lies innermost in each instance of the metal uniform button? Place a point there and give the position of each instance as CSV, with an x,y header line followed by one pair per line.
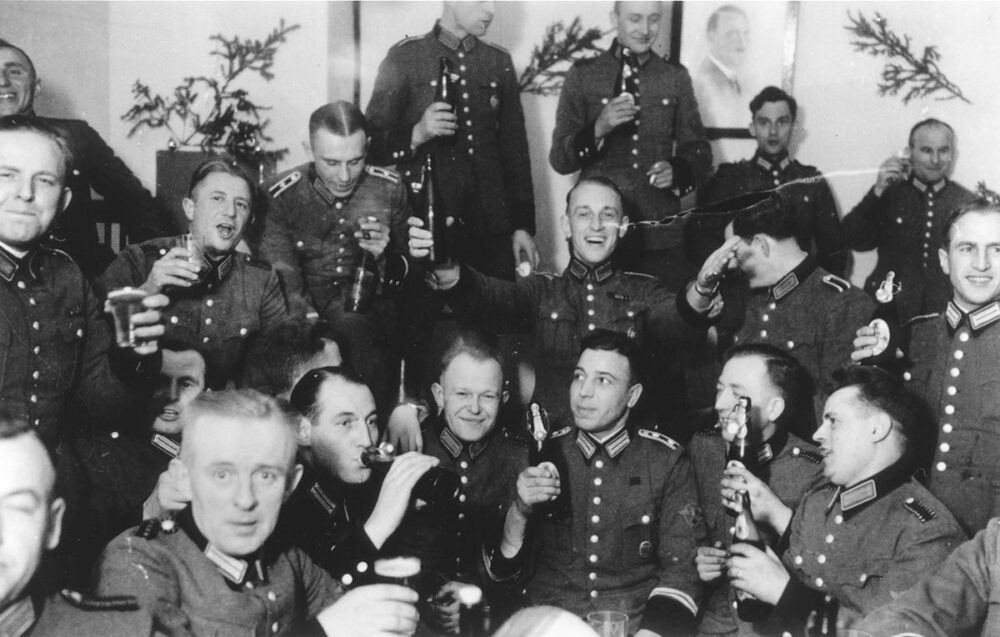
x,y
595,519
205,340
347,579
819,582
964,336
21,285
863,578
949,409
554,315
954,372
36,349
947,428
599,464
645,519
907,375
590,312
593,539
299,244
592,576
763,333
271,597
591,327
821,558
765,318
798,560
597,500
36,374
791,344
597,481
593,593
34,398
243,331
959,354
464,479
208,321
274,627
32,301
339,205
839,519
945,447
35,326
951,390
462,498
174,320
829,539
464,464
941,466
593,559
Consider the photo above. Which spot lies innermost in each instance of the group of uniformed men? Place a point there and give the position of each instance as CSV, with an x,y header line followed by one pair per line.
x,y
250,511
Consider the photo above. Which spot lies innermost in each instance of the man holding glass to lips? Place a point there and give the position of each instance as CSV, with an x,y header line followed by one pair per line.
x,y
219,297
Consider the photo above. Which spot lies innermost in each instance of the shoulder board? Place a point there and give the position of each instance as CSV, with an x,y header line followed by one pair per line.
x,y
641,275
548,275
516,436
285,183
147,529
814,457
660,438
559,433
709,432
384,173
922,317
412,38
87,602
57,252
153,249
837,283
257,262
919,510
495,46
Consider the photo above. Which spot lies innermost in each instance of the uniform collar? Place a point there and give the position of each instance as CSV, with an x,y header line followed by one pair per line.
x,y
326,194
165,445
10,264
237,572
616,52
612,446
978,319
18,618
770,448
220,269
792,280
856,497
925,187
455,445
586,273
450,40
780,165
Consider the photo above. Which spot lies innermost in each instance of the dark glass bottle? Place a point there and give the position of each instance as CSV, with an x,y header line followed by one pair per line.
x,y
822,621
364,283
543,449
434,216
627,82
439,486
446,90
885,321
742,451
473,613
748,607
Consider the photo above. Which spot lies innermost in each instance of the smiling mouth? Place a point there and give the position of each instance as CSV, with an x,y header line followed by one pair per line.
x,y
169,415
225,230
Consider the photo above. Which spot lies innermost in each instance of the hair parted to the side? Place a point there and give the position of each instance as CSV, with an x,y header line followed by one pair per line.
x,y
340,118
787,375
773,217
618,342
32,124
773,94
304,398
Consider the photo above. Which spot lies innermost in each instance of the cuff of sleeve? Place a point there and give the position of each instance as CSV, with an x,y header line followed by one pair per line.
x,y
523,217
794,606
691,316
785,540
684,181
399,145
461,289
501,568
670,612
585,145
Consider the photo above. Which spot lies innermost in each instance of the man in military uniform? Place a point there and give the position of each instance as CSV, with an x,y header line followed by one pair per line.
x,y
792,303
219,298
97,167
772,124
31,521
320,217
593,292
628,542
867,536
279,356
338,515
907,208
952,363
779,391
217,566
480,149
596,132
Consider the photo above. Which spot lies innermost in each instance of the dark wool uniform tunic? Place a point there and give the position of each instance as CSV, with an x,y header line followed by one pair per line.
x,y
630,540
70,614
906,224
956,368
192,589
790,466
812,202
240,296
483,172
560,310
864,545
958,599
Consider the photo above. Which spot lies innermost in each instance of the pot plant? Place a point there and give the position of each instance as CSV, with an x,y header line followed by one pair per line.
x,y
210,115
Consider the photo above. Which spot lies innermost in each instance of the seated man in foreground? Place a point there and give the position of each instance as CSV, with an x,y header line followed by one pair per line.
x,y
865,537
217,568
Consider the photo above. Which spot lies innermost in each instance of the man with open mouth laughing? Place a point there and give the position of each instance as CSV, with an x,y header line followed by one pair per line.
x,y
220,297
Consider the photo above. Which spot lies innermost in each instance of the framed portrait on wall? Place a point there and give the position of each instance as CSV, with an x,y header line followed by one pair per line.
x,y
733,50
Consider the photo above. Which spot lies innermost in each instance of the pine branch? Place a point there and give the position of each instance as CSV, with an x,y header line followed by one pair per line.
x,y
986,193
920,76
561,46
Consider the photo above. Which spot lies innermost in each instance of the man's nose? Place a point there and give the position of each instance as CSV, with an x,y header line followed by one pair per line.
x,y
26,189
246,497
344,173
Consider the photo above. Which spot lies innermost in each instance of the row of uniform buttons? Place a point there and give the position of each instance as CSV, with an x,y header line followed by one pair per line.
x,y
951,390
822,559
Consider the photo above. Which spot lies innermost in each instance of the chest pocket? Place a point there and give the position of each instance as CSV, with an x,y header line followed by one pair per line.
x,y
657,122
309,247
68,343
637,540
558,332
629,320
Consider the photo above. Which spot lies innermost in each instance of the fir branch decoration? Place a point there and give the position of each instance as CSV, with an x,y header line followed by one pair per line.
x,y
920,76
209,112
561,46
988,194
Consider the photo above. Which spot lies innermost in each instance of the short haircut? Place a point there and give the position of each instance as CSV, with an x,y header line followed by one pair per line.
x,y
930,122
305,395
226,165
787,375
5,44
887,393
12,427
474,343
245,405
32,124
773,94
618,342
713,20
979,205
599,181
340,118
276,355
773,216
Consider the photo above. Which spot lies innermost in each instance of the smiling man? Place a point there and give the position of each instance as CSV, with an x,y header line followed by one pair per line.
x,y
592,135
866,537
904,214
219,298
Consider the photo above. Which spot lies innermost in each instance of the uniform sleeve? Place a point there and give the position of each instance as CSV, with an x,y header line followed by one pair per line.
x,y
953,599
278,247
503,305
128,269
134,566
273,309
123,192
693,160
319,589
673,604
390,133
862,224
831,247
573,144
514,155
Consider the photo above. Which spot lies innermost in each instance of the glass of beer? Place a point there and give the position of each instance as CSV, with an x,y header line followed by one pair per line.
x,y
402,570
124,303
608,623
196,254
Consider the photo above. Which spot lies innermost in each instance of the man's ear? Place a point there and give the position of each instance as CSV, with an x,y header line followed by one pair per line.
x,y
881,426
293,481
438,392
763,244
564,224
188,205
622,229
304,434
182,477
775,407
54,530
633,394
752,128
64,199
943,259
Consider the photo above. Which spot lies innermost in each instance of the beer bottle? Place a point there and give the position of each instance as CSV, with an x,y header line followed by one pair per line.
x,y
822,621
543,449
364,282
885,321
742,451
446,91
434,216
627,82
473,614
748,607
439,486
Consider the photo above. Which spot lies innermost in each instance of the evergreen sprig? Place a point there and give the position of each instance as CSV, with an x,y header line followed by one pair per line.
x,y
988,194
561,46
209,112
920,76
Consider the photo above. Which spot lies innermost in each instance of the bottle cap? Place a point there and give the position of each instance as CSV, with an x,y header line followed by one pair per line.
x,y
469,595
397,567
